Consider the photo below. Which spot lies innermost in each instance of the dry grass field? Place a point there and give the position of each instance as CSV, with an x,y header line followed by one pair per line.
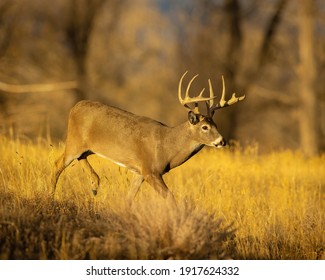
x,y
232,203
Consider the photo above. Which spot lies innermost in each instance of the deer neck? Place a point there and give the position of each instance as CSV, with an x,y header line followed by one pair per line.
x,y
183,145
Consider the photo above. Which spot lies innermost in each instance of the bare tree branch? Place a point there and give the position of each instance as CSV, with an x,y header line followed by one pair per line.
x,y
11,88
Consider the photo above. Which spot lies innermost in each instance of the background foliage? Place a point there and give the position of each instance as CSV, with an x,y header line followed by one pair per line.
x,y
132,53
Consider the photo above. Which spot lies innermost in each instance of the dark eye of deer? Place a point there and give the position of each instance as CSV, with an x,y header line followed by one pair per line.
x,y
205,127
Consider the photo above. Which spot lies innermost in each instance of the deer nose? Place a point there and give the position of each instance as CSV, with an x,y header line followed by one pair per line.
x,y
221,143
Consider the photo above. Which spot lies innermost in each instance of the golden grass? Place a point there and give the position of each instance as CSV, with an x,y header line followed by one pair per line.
x,y
231,203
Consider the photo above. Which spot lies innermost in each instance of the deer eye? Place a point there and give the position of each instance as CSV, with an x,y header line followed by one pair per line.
x,y
205,128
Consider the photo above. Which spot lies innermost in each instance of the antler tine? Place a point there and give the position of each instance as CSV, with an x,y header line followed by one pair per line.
x,y
189,85
180,88
235,99
210,104
212,96
222,103
188,100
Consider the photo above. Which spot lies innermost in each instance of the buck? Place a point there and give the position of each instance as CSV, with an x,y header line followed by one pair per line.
x,y
147,147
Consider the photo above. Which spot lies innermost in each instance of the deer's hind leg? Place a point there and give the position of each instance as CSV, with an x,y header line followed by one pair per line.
x,y
63,162
60,164
95,181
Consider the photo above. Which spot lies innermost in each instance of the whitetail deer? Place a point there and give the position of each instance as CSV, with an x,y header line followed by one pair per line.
x,y
145,146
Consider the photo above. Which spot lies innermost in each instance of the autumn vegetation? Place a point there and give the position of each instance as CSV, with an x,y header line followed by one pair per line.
x,y
232,203
131,54
261,199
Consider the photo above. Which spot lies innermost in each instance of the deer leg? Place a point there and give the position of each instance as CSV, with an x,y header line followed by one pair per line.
x,y
135,186
157,182
63,162
94,176
59,166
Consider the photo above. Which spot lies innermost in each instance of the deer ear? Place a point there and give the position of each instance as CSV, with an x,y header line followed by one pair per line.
x,y
193,118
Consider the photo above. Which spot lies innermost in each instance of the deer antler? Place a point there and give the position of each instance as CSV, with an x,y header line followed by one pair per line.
x,y
188,100
212,106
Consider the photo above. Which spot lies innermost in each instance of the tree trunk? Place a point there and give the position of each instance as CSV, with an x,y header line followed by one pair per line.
x,y
233,14
307,75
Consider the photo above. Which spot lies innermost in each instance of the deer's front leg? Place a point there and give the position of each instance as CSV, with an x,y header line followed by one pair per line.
x,y
135,186
157,182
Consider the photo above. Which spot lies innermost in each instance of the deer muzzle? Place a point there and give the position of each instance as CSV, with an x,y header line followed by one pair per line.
x,y
220,142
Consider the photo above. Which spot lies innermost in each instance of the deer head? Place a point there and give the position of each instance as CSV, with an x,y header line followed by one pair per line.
x,y
203,124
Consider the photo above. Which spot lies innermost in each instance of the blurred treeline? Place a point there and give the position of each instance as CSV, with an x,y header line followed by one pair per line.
x,y
131,54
